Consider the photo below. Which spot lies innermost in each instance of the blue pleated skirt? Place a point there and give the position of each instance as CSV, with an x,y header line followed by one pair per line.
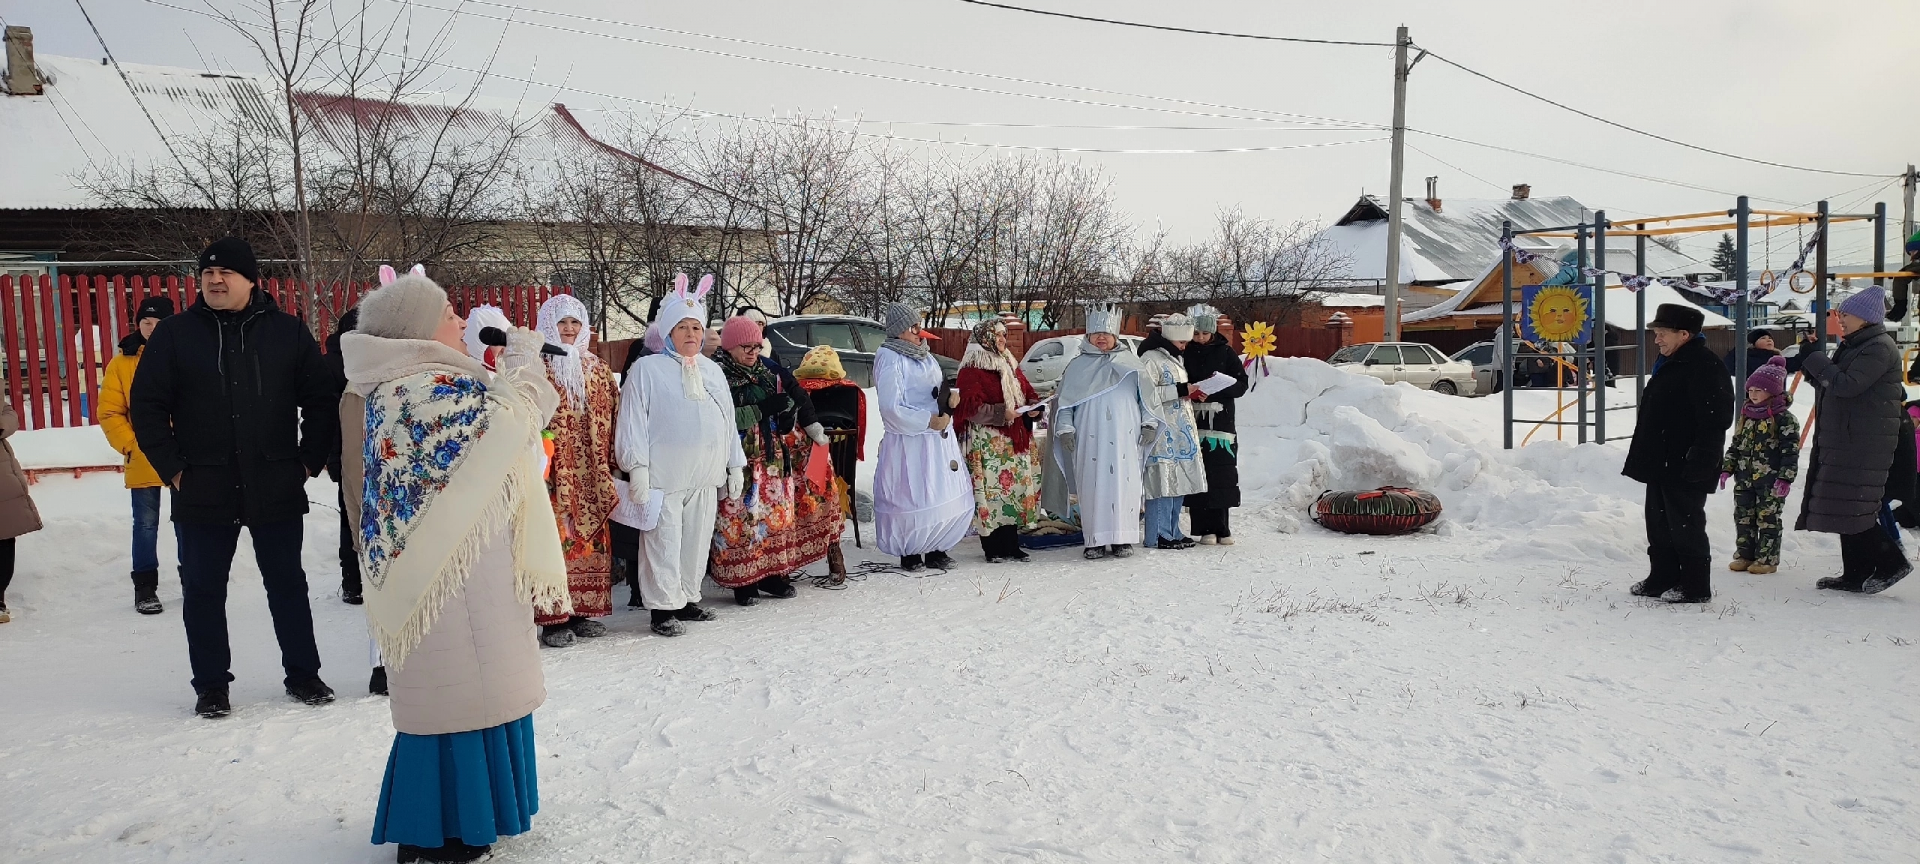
x,y
477,786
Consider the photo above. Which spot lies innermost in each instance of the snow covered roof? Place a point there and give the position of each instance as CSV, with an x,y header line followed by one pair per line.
x,y
1350,301
1457,240
88,121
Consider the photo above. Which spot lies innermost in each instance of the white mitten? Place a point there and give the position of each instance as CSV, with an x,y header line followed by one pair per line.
x,y
736,483
524,342
638,487
817,432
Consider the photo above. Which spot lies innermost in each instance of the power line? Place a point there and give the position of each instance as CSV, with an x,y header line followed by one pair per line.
x,y
1141,151
1637,176
877,75
901,63
129,84
1171,29
1636,130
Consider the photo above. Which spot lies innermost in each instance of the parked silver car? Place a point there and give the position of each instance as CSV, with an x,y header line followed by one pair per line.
x,y
1408,363
1480,356
1047,359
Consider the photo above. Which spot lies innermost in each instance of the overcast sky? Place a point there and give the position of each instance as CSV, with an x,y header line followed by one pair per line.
x,y
1825,85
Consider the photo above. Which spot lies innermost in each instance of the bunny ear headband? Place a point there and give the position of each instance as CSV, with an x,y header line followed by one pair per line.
x,y
387,275
699,294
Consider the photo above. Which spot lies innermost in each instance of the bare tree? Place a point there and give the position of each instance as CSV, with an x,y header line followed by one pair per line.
x,y
810,204
1254,265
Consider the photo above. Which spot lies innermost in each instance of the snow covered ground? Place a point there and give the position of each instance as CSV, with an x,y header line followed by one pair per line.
x,y
1483,692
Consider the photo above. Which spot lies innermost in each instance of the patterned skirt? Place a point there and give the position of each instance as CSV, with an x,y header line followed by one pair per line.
x,y
589,577
779,525
1006,484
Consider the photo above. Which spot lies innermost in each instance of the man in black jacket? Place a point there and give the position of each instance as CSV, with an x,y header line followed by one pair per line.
x,y
1678,442
350,593
232,406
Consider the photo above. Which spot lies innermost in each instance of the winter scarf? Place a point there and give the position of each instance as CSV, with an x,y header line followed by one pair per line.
x,y
567,370
898,320
983,352
450,459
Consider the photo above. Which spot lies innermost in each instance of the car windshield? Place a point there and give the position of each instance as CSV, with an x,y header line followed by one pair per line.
x,y
1351,354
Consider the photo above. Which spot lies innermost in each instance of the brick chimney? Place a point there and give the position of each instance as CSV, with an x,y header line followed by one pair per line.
x,y
22,78
1433,193
1522,191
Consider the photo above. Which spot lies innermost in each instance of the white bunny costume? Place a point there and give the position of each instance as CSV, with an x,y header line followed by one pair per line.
x,y
676,435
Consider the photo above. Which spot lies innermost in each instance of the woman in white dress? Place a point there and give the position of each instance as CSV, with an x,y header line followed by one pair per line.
x,y
922,494
1102,428
676,438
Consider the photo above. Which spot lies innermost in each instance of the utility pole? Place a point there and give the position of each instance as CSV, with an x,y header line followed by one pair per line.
x,y
1906,223
1394,189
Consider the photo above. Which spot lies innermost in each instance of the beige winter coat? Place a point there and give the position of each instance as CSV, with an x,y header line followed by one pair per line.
x,y
17,514
479,664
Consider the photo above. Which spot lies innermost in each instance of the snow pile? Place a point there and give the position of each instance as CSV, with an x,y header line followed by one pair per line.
x,y
76,447
1309,427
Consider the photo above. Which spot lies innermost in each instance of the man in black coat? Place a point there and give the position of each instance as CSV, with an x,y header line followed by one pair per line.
x,y
337,385
1760,349
233,406
1678,442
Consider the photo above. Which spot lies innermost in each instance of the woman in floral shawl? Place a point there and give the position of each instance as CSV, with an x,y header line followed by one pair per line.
x,y
580,480
782,523
998,442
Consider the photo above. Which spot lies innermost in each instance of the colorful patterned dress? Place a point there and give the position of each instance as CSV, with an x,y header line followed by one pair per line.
x,y
780,523
1005,467
580,483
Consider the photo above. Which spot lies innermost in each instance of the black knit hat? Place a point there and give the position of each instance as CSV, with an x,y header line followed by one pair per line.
x,y
1674,316
233,254
1756,335
153,307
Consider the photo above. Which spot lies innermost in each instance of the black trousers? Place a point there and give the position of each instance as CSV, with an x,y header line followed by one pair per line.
x,y
1003,542
1867,554
1209,520
349,559
206,557
6,567
1678,553
625,540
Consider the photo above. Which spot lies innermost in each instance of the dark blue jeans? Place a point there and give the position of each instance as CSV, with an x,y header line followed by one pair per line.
x,y
206,556
146,530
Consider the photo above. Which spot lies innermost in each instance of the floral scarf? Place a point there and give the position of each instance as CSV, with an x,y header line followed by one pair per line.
x,y
750,386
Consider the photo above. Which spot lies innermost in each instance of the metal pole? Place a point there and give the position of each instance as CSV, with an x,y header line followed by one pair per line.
x,y
1742,213
1820,277
1906,221
1880,241
1579,353
1640,318
1598,343
1506,334
1394,182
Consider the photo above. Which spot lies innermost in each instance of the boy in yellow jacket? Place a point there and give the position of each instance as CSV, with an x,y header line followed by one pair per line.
x,y
141,478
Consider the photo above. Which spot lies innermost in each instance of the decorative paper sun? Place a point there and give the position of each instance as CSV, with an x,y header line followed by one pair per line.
x,y
1559,313
1258,341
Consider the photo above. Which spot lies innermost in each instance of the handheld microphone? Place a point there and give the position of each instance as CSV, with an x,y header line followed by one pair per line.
x,y
498,338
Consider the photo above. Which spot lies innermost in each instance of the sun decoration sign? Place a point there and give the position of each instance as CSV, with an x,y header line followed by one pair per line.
x,y
1556,313
1257,342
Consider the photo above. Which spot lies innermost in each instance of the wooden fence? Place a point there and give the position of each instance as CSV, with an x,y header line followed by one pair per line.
x,y
1316,342
59,334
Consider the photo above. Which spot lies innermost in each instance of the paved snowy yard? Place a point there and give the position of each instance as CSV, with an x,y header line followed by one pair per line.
x,y
1487,692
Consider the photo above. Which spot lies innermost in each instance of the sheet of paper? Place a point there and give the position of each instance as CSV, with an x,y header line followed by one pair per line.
x,y
1031,408
1220,381
650,515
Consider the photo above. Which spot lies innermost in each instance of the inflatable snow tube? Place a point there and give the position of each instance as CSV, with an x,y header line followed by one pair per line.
x,y
1384,511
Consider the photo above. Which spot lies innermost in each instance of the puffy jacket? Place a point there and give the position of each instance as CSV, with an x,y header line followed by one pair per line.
x,y
118,424
1856,431
239,406
17,514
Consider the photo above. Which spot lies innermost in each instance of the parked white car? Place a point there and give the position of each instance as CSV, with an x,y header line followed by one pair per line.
x,y
1408,363
1047,359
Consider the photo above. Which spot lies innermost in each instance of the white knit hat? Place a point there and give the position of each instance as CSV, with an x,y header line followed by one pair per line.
x,y
410,307
1177,328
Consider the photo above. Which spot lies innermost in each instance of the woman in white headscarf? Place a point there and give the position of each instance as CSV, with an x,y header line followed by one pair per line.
x,y
678,446
1103,425
922,494
480,318
580,478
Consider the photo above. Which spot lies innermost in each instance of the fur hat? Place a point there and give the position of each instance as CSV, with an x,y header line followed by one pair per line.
x,y
739,330
1104,319
1678,316
1177,328
1771,377
231,253
409,307
1869,304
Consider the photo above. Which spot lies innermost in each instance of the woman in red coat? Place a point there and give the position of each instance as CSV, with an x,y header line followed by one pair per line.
x,y
999,442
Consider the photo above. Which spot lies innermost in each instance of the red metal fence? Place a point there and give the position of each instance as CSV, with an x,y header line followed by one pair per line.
x,y
59,334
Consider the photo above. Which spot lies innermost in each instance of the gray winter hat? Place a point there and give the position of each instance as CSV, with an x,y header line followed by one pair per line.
x,y
409,307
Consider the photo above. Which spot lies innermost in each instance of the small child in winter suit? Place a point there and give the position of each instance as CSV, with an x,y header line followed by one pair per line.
x,y
1763,461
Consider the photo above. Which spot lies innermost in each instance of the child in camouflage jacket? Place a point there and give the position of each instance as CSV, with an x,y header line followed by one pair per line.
x,y
1762,462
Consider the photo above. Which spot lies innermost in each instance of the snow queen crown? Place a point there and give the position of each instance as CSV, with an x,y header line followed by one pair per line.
x,y
1104,319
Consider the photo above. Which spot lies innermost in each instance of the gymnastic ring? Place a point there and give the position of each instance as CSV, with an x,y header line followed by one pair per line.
x,y
1766,280
1793,281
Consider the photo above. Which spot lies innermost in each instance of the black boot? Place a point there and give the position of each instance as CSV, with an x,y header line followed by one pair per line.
x,y
454,852
912,563
692,612
312,691
746,596
778,587
350,592
940,561
146,592
213,703
377,683
664,623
